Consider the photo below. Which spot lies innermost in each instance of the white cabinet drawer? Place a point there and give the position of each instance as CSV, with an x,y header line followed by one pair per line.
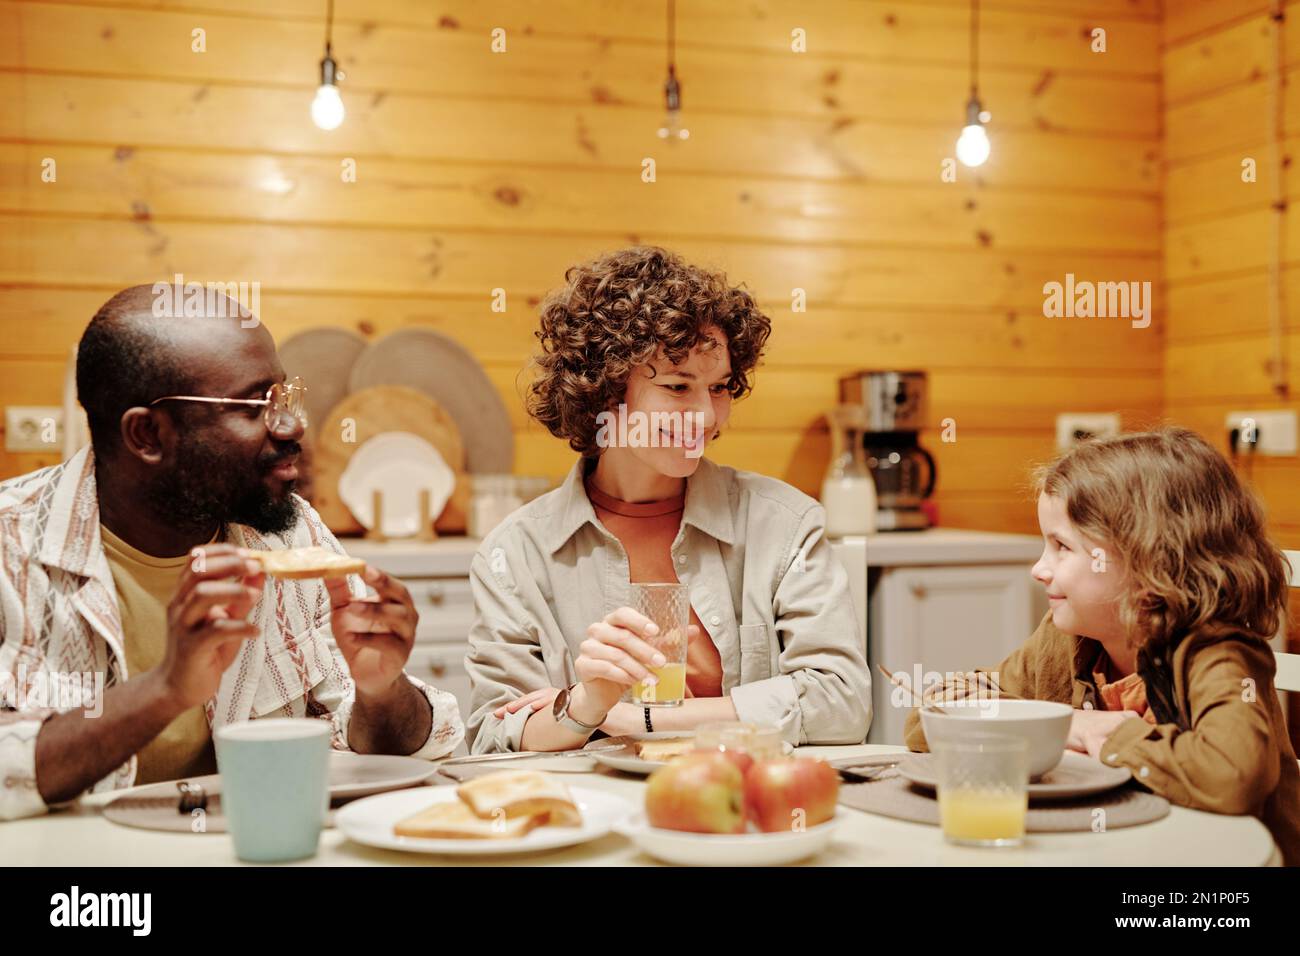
x,y
445,606
437,575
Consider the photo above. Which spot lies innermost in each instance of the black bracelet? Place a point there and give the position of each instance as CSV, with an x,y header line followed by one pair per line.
x,y
649,727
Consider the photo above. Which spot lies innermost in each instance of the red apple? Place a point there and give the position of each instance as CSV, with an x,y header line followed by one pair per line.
x,y
697,793
789,793
740,758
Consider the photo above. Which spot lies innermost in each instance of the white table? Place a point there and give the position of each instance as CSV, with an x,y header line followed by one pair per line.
x,y
82,837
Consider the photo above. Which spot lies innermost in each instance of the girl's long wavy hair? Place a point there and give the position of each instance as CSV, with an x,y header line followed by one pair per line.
x,y
1193,541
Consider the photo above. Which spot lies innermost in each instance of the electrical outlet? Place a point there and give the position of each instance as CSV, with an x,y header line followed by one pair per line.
x,y
1072,427
33,428
1273,431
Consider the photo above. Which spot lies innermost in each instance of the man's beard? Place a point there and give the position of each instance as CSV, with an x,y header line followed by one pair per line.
x,y
203,489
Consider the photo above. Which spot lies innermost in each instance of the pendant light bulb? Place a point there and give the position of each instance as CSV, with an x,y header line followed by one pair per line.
x,y
672,128
973,145
327,110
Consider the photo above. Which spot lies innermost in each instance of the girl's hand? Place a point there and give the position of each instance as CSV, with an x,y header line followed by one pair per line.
x,y
1090,728
535,699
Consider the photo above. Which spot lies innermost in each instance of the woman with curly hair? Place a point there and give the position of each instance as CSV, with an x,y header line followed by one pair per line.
x,y
1165,591
641,356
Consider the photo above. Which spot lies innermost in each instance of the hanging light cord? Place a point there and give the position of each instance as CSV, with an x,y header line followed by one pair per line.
x,y
672,36
329,24
974,46
1278,370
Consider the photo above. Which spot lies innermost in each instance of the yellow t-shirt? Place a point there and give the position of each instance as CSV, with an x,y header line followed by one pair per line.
x,y
145,586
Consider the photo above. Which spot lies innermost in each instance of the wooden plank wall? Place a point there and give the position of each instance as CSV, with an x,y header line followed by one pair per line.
x,y
1218,56
816,170
1217,62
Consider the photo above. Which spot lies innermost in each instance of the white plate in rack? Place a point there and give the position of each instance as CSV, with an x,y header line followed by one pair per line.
x,y
400,465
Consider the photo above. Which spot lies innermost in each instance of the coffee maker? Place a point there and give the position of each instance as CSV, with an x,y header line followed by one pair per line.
x,y
893,413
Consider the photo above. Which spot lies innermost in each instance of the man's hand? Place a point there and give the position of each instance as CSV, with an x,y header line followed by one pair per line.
x,y
375,635
207,622
1090,728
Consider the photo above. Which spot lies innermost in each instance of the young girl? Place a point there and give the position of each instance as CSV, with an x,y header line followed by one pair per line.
x,y
1164,591
642,355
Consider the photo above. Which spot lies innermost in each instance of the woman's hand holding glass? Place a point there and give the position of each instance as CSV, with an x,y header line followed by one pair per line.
x,y
615,656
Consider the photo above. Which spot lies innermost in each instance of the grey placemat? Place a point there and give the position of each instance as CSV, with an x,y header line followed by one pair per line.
x,y
892,795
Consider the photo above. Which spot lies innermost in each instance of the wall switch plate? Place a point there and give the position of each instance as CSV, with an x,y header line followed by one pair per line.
x,y
1073,427
33,428
1274,431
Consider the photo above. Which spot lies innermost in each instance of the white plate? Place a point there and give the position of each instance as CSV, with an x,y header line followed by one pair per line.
x,y
350,775
359,775
627,760
370,821
718,849
400,465
1075,776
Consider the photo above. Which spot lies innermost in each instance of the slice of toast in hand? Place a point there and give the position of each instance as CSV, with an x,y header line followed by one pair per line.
x,y
298,563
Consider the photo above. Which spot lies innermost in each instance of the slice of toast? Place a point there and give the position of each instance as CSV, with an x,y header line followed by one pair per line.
x,y
298,563
661,751
522,793
454,820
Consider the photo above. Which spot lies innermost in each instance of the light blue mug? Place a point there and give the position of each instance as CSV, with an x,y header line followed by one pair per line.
x,y
274,789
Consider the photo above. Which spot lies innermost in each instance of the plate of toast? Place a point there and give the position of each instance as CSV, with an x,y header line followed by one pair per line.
x,y
645,753
512,811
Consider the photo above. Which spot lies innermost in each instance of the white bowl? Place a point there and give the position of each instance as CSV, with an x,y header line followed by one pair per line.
x,y
1044,724
730,849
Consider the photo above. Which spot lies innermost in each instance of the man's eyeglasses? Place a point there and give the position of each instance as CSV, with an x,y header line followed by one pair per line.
x,y
284,403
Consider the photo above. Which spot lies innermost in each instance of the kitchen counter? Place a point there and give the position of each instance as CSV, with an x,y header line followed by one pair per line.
x,y
410,558
947,546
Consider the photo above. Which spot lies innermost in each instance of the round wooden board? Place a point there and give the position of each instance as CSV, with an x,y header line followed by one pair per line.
x,y
324,358
365,414
443,369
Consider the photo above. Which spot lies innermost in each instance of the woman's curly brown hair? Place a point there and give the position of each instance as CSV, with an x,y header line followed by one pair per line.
x,y
613,315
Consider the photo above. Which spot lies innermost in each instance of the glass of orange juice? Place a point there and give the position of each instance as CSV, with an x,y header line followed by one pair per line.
x,y
759,741
669,606
982,795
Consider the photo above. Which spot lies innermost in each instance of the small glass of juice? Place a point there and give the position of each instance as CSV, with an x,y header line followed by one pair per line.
x,y
669,606
758,742
982,795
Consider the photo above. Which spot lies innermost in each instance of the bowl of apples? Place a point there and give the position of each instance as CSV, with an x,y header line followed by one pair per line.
x,y
726,808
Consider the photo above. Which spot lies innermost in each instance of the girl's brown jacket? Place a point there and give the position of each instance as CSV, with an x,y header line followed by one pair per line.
x,y
1235,757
